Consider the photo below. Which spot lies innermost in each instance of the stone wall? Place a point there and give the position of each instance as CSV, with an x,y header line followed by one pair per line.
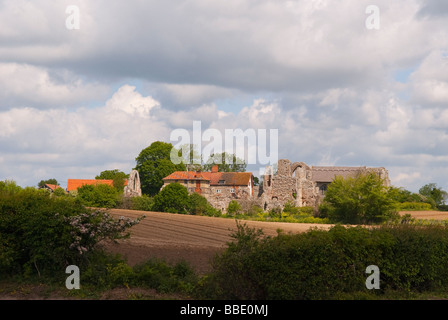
x,y
294,183
220,200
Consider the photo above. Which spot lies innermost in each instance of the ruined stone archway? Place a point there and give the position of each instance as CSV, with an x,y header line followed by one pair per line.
x,y
303,167
133,189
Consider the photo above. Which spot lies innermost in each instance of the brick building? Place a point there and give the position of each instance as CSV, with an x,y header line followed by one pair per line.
x,y
219,188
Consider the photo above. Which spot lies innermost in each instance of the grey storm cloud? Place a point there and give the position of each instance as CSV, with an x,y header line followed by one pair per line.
x,y
85,100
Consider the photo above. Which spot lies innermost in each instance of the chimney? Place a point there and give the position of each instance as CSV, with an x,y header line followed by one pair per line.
x,y
215,168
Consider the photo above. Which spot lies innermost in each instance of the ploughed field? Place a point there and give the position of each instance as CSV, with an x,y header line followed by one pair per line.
x,y
196,239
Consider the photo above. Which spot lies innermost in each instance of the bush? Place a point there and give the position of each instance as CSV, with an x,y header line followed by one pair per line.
x,y
330,264
414,206
200,206
363,199
100,196
172,198
144,203
234,208
40,234
9,187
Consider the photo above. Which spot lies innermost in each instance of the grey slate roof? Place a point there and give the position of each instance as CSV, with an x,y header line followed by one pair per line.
x,y
327,174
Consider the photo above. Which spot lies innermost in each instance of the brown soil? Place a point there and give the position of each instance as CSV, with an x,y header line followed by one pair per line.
x,y
436,215
195,239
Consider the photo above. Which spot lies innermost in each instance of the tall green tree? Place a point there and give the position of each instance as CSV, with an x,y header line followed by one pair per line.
x,y
431,191
226,162
190,155
362,199
102,195
154,164
173,198
116,175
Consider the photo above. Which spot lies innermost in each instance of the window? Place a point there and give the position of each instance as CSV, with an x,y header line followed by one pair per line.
x,y
218,190
221,181
232,190
323,188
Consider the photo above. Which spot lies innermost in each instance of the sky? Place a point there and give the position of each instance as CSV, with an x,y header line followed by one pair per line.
x,y
86,85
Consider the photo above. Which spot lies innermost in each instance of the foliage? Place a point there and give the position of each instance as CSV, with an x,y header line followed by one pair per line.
x,y
9,187
414,206
48,181
116,175
59,192
291,213
172,198
154,164
402,195
233,208
431,191
144,203
200,206
362,199
111,174
189,155
321,264
109,272
101,196
41,234
226,162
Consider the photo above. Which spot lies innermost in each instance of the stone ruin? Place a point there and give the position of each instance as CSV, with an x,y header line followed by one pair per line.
x,y
303,185
133,188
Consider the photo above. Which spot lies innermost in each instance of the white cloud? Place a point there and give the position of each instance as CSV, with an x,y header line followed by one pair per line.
x,y
23,85
131,102
308,68
430,81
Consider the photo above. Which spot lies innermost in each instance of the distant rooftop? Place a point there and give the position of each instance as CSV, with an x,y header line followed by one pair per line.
x,y
327,174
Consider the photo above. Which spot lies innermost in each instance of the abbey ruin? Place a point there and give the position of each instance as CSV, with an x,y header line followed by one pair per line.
x,y
303,185
296,183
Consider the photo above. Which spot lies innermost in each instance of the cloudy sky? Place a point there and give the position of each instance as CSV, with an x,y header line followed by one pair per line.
x,y
343,85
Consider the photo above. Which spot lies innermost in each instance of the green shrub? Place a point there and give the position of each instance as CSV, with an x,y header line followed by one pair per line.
x,y
9,187
330,264
157,274
199,205
172,198
100,196
363,199
41,234
143,203
234,208
414,206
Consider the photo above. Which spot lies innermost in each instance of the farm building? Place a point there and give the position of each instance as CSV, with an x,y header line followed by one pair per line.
x,y
50,187
74,184
219,188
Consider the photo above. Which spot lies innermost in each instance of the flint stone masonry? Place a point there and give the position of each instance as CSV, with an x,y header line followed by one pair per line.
x,y
296,183
133,188
303,185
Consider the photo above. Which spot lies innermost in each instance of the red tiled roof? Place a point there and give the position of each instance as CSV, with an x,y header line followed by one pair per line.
x,y
227,178
236,178
187,175
52,186
73,184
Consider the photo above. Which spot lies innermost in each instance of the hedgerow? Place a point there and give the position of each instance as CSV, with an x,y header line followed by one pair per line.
x,y
41,234
321,264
